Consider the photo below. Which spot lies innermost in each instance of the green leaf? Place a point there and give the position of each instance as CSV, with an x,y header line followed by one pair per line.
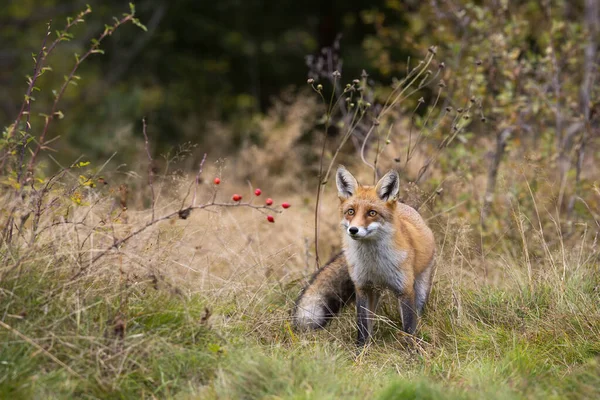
x,y
137,23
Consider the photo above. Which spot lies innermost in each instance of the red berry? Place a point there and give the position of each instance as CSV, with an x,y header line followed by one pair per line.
x,y
257,192
236,197
269,201
217,181
270,218
285,205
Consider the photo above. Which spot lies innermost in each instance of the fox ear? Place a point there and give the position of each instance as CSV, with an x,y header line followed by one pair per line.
x,y
346,183
388,187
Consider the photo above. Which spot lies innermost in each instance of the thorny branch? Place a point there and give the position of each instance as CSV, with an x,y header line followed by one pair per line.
x,y
94,48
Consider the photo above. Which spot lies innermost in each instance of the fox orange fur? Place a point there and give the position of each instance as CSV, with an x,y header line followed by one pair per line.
x,y
387,245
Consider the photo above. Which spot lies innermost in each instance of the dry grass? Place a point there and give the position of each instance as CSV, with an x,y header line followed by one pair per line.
x,y
200,307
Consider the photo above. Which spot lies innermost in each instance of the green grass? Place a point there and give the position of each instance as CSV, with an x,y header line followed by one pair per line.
x,y
480,342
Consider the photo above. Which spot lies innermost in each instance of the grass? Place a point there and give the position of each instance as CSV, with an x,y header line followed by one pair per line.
x,y
199,308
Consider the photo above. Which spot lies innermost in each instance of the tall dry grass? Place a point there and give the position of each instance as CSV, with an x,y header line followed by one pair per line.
x,y
199,307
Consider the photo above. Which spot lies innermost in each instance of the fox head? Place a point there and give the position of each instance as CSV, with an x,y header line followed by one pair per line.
x,y
367,211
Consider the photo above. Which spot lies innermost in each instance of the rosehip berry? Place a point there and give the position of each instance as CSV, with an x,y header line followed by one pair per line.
x,y
236,197
269,201
285,205
217,181
270,218
257,192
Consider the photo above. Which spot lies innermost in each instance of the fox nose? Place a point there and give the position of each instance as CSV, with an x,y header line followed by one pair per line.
x,y
353,230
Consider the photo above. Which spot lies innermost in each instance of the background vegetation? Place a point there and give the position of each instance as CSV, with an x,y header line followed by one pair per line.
x,y
128,272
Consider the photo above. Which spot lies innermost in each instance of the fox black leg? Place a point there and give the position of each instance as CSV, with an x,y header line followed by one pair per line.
x,y
366,305
409,313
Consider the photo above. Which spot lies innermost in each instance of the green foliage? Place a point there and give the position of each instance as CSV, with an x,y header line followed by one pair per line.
x,y
420,390
163,349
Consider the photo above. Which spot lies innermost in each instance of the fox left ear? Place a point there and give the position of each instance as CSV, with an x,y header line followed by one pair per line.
x,y
346,183
388,187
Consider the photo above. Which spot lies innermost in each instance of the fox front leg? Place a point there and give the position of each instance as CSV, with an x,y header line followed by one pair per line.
x,y
366,305
408,311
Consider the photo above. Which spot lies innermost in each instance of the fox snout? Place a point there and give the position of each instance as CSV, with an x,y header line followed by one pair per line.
x,y
359,232
355,232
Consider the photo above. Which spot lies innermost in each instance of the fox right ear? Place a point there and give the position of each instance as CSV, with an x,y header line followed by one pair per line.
x,y
346,183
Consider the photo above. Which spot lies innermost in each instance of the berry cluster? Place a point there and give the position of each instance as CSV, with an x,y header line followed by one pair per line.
x,y
257,192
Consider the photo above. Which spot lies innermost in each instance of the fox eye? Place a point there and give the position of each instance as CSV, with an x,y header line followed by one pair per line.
x,y
350,211
372,213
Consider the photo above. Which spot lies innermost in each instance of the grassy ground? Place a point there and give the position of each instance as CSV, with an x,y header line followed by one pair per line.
x,y
200,309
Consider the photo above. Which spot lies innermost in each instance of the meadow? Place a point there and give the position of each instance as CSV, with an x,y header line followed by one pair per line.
x,y
141,276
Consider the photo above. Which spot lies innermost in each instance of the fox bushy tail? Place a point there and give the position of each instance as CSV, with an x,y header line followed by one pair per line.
x,y
328,291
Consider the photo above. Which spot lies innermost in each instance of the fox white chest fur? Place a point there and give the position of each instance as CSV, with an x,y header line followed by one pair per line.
x,y
376,262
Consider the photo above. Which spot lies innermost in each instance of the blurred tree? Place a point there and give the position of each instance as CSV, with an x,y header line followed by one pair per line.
x,y
199,61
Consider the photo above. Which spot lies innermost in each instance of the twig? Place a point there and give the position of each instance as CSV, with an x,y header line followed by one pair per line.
x,y
27,103
150,164
39,69
592,16
198,180
501,139
182,213
320,177
94,48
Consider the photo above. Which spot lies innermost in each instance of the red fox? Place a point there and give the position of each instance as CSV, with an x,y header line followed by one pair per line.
x,y
387,245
